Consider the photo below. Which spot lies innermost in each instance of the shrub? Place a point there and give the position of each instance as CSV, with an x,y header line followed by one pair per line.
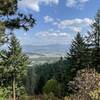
x,y
86,85
95,95
52,86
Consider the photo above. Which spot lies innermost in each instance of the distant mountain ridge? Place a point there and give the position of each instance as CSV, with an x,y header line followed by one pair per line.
x,y
58,49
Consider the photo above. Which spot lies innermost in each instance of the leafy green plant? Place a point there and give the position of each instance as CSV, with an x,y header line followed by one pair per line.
x,y
52,86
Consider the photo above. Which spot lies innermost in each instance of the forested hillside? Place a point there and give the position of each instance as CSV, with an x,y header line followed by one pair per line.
x,y
73,76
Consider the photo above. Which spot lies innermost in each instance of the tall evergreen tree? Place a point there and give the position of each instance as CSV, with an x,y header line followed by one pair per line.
x,y
77,56
14,63
94,42
11,18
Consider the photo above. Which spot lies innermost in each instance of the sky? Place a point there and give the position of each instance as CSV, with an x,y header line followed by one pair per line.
x,y
57,21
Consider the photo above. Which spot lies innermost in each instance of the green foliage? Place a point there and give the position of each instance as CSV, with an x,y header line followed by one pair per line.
x,y
86,85
43,74
30,80
12,18
50,96
14,61
62,74
59,71
52,86
3,38
78,55
5,92
8,7
40,97
14,65
95,95
94,42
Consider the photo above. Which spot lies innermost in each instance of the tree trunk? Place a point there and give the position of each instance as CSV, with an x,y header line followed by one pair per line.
x,y
14,89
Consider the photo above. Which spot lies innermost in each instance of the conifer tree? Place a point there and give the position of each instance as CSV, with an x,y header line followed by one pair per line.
x,y
12,17
15,63
94,42
77,56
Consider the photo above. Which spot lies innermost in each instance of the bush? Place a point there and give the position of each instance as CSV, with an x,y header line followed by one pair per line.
x,y
52,86
95,95
86,85
5,92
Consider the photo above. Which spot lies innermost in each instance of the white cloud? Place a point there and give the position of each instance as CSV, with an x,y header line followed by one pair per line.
x,y
35,4
63,34
76,3
71,3
54,37
51,34
49,1
74,22
75,25
48,19
83,1
76,29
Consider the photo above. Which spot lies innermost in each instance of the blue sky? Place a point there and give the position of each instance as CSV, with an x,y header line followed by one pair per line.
x,y
57,21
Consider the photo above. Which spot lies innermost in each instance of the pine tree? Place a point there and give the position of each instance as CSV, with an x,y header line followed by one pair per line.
x,y
94,42
77,56
12,17
15,63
